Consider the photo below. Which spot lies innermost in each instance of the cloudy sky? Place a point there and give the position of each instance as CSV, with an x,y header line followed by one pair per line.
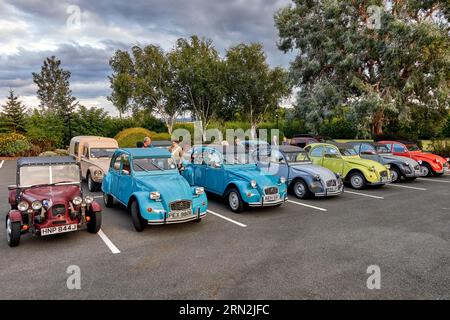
x,y
31,30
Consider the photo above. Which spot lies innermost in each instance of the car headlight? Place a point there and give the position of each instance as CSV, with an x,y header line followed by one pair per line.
x,y
77,201
199,190
317,177
88,199
388,166
36,205
372,169
253,183
98,173
338,175
419,162
23,206
155,195
282,180
438,161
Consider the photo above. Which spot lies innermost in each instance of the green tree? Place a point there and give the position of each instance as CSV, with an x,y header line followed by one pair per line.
x,y
46,129
54,92
13,114
394,67
255,88
121,81
89,121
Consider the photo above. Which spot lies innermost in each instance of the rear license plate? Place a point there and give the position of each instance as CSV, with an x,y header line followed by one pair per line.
x,y
272,197
59,229
179,214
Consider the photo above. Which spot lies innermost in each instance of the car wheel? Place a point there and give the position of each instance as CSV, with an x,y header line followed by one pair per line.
x,y
12,232
198,220
426,169
438,174
357,181
396,175
94,225
138,222
92,185
235,201
108,200
301,190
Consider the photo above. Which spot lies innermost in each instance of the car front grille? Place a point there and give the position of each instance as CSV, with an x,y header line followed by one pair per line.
x,y
331,183
180,205
271,190
58,209
384,174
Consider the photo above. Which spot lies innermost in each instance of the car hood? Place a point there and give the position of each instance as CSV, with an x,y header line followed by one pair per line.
x,y
311,169
420,155
102,163
356,160
57,194
248,173
171,186
392,158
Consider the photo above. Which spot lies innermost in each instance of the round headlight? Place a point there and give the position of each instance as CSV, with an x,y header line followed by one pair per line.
x,y
88,199
98,173
154,195
77,201
199,190
282,180
253,183
36,205
23,206
317,177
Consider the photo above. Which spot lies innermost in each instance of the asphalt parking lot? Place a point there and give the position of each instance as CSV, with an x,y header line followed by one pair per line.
x,y
314,249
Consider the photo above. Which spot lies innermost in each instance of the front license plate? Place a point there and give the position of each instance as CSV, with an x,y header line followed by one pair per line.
x,y
179,214
418,172
59,229
385,180
272,197
332,189
446,169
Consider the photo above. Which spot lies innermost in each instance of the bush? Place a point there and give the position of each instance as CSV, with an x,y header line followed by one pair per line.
x,y
440,147
14,145
45,130
129,137
161,136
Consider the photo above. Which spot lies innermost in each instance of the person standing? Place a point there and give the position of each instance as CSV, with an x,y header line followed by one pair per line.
x,y
176,150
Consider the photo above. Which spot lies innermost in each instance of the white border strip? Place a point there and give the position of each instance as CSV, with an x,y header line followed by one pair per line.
x,y
364,195
433,180
1,163
307,205
407,187
228,219
108,242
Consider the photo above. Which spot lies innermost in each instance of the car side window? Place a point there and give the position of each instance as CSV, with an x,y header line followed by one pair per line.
x,y
116,162
277,157
126,164
86,151
399,148
317,152
75,148
331,153
213,159
366,148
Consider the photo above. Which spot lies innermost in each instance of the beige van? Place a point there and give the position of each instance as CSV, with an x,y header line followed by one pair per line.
x,y
94,155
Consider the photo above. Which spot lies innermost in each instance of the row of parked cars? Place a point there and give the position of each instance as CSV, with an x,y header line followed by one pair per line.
x,y
48,198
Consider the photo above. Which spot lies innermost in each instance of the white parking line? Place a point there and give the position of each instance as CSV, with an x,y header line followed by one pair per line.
x,y
307,205
108,242
1,163
228,219
364,195
434,180
407,187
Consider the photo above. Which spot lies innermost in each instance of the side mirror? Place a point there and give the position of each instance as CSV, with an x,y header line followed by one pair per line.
x,y
125,172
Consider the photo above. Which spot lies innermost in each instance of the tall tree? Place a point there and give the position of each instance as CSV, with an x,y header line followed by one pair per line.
x,y
89,121
54,92
255,88
199,77
14,114
383,59
121,81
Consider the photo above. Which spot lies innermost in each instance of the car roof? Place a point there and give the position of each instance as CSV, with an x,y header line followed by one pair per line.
x,y
288,148
146,152
41,161
366,142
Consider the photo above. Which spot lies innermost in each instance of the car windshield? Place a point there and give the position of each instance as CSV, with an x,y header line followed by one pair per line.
x,y
413,147
382,149
348,151
297,157
153,164
51,174
236,158
101,152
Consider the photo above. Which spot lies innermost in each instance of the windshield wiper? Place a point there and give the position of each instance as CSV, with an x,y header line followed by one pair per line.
x,y
138,165
156,165
48,184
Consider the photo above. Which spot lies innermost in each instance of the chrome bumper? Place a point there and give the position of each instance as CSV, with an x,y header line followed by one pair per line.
x,y
330,194
174,221
267,204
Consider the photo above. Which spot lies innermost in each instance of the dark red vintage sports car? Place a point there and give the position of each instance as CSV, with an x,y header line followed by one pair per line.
x,y
47,199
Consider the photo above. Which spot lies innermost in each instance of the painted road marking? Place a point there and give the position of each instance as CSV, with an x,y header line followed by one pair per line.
x,y
228,219
434,180
407,187
1,163
108,242
364,194
307,205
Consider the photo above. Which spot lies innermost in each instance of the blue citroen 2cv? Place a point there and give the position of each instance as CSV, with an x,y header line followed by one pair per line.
x,y
148,183
231,173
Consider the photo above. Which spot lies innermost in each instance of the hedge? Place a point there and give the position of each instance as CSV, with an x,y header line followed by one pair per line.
x,y
129,137
14,145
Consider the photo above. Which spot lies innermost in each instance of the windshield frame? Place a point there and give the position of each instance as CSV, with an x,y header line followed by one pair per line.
x,y
49,168
309,161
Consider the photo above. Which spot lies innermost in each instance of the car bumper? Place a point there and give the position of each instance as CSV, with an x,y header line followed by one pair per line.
x,y
174,221
330,193
267,204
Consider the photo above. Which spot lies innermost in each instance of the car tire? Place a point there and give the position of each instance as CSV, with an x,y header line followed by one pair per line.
x,y
396,175
108,200
198,220
235,201
138,222
357,181
300,189
94,225
12,232
426,168
92,185
439,174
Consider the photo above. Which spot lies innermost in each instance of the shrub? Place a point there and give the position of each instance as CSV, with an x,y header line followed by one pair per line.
x,y
129,137
440,147
161,136
45,130
49,154
14,145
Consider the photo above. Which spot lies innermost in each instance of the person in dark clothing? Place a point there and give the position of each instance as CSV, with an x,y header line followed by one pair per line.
x,y
139,144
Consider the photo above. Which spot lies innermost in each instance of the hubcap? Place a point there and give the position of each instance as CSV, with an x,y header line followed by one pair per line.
x,y
299,189
105,198
394,175
356,181
233,200
89,183
8,229
425,170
